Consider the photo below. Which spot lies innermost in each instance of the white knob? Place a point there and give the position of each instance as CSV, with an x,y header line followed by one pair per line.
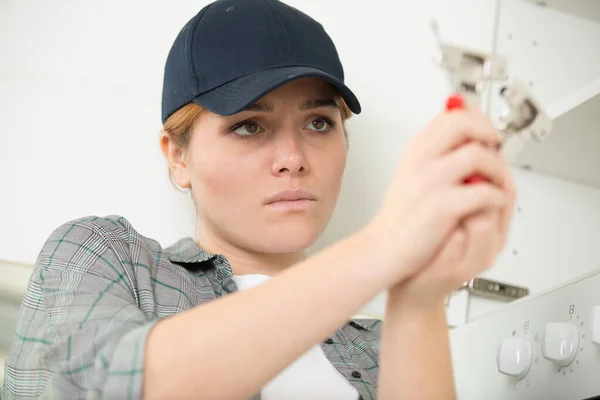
x,y
514,357
596,325
560,343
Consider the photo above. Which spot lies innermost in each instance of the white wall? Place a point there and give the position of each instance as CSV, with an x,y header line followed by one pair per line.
x,y
80,103
80,90
13,282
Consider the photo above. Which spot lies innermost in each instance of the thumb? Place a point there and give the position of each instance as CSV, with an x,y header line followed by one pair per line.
x,y
482,231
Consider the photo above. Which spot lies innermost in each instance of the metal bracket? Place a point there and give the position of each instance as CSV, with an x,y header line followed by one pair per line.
x,y
495,290
469,70
458,302
525,116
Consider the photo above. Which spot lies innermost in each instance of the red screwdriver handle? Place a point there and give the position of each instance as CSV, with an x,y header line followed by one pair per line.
x,y
456,102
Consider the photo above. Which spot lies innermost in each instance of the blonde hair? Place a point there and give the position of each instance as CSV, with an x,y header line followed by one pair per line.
x,y
180,125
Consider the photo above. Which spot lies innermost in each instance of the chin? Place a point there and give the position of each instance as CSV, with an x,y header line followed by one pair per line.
x,y
289,239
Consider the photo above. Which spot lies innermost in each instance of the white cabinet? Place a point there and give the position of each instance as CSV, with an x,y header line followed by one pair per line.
x,y
554,48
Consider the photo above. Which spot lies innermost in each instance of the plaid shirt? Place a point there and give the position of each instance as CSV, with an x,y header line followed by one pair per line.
x,y
96,290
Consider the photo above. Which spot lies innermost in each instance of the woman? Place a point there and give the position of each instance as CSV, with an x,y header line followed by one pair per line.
x,y
254,106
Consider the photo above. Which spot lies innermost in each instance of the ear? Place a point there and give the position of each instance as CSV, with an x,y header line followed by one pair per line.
x,y
176,159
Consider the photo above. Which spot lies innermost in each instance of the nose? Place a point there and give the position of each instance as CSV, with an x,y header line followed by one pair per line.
x,y
289,157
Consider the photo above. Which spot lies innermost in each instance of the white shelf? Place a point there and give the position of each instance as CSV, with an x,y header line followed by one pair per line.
x,y
558,57
572,150
589,9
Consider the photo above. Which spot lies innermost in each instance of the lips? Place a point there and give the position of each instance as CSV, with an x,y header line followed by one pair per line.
x,y
291,195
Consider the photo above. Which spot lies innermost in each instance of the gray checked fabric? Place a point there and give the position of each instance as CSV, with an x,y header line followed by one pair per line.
x,y
96,290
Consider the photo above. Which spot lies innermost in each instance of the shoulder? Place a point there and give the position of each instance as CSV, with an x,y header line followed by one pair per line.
x,y
109,243
111,247
111,225
91,231
118,232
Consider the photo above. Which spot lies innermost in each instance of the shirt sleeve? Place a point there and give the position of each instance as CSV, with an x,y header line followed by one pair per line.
x,y
80,331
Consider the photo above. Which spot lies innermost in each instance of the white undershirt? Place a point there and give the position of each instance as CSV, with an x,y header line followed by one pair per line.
x,y
310,377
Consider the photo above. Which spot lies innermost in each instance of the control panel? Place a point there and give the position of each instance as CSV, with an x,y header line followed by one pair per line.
x,y
545,346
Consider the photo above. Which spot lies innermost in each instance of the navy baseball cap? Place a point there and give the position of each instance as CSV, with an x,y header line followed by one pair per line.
x,y
234,52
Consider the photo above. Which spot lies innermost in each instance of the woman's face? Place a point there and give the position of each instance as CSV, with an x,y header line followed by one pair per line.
x,y
291,139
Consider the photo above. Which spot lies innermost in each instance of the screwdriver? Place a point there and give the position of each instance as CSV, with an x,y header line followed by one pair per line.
x,y
456,102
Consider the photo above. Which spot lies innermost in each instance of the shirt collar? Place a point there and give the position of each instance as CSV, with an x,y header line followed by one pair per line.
x,y
358,325
187,251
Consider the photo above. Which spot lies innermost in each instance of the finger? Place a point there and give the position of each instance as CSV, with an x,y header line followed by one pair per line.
x,y
481,250
468,160
460,202
511,194
451,129
507,212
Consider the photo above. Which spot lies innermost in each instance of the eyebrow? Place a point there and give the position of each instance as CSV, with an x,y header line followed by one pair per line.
x,y
312,104
260,107
307,105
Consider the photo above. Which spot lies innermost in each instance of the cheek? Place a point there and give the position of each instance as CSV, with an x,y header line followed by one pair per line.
x,y
221,179
224,182
332,167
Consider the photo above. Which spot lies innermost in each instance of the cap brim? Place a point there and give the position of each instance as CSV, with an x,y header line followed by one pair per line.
x,y
240,93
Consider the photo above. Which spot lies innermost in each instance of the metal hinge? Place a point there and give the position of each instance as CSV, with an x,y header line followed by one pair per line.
x,y
457,303
469,72
495,290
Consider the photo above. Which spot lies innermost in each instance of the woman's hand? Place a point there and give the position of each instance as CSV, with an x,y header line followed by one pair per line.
x,y
471,248
471,229
430,217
